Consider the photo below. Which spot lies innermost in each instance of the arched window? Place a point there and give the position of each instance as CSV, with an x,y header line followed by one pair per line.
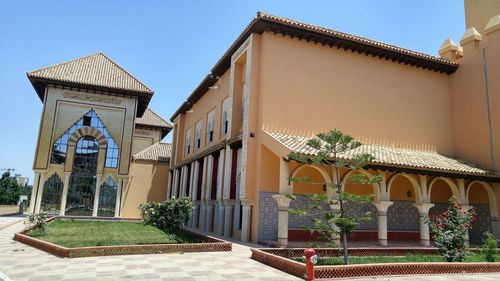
x,y
51,197
90,119
83,179
107,198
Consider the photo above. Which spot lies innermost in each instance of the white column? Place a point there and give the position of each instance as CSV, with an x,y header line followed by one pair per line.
x,y
40,193
228,217
174,184
196,210
203,207
34,192
182,188
194,186
382,207
423,212
246,218
285,186
422,180
65,193
283,205
467,208
96,195
169,184
209,211
220,217
118,197
227,172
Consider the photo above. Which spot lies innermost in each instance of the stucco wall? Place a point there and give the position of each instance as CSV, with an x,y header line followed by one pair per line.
x,y
147,183
307,87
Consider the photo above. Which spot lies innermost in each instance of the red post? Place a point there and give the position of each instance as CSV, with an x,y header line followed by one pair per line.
x,y
311,259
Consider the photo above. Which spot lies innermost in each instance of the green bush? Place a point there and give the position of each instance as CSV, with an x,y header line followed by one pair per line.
x,y
39,221
450,231
489,249
169,215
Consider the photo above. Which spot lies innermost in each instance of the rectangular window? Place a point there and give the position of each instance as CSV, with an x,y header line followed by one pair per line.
x,y
225,117
197,133
87,120
187,144
210,126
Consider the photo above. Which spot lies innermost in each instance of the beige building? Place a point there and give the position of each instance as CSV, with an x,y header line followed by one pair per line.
x,y
99,150
429,121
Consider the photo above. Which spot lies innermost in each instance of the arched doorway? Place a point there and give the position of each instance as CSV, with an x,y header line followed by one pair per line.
x,y
83,178
479,199
402,215
52,193
366,231
440,192
303,191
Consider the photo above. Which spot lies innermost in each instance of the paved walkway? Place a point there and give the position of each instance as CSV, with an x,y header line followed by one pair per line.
x,y
21,262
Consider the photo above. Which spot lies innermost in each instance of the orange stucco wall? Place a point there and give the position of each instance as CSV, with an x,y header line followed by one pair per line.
x,y
307,87
147,183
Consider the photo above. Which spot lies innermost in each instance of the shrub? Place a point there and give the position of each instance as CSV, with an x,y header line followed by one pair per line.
x,y
39,221
450,231
169,215
489,249
9,190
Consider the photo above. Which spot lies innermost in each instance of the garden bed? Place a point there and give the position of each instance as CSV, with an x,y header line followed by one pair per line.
x,y
371,262
84,237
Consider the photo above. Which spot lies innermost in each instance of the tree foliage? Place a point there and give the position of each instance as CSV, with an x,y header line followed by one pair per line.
x,y
333,150
9,190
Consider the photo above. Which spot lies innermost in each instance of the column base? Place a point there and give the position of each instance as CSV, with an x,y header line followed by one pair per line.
x,y
382,242
425,242
282,242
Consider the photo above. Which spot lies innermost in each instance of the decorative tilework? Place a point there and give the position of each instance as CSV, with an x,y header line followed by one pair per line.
x,y
354,209
483,224
403,216
268,217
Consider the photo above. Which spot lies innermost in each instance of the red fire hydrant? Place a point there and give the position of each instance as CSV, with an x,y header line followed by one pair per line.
x,y
311,259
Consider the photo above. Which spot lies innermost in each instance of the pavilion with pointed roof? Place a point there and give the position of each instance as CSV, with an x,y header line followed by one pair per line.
x,y
95,119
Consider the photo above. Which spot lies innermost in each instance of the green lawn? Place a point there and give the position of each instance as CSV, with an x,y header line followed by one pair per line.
x,y
390,259
81,233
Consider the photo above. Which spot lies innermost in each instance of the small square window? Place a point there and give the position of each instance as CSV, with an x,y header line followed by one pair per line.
x,y
87,120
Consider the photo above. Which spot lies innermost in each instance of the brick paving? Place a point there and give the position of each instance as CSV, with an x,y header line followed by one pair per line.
x,y
21,262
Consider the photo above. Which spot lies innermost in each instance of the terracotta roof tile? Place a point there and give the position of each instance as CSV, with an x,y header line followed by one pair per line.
x,y
94,70
158,152
150,118
393,156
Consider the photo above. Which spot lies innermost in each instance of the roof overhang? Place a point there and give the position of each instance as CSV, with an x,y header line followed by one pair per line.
x,y
143,98
326,37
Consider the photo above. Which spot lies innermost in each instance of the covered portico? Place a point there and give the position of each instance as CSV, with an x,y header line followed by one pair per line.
x,y
413,184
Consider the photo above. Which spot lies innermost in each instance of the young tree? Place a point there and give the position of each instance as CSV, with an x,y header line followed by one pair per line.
x,y
334,150
9,190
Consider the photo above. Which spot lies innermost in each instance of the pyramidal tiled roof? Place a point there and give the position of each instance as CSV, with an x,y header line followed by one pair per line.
x,y
94,70
158,152
151,119
393,157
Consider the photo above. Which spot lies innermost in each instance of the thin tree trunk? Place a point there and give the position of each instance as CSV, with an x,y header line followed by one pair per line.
x,y
344,232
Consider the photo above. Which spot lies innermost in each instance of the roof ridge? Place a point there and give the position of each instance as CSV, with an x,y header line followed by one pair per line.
x,y
128,73
157,115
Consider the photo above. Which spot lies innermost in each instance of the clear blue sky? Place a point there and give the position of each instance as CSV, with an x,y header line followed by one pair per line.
x,y
172,45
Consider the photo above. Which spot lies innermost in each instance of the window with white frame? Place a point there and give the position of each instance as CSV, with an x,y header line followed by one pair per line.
x,y
197,133
210,126
224,121
187,143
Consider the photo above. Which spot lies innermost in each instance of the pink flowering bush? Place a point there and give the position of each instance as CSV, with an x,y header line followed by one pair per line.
x,y
450,231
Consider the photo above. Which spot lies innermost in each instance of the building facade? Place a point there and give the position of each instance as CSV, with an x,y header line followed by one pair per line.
x,y
94,120
429,121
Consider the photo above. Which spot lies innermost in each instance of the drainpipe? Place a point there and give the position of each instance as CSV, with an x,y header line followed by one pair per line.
x,y
486,92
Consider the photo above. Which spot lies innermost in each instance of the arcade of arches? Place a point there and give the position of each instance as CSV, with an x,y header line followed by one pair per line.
x,y
401,203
